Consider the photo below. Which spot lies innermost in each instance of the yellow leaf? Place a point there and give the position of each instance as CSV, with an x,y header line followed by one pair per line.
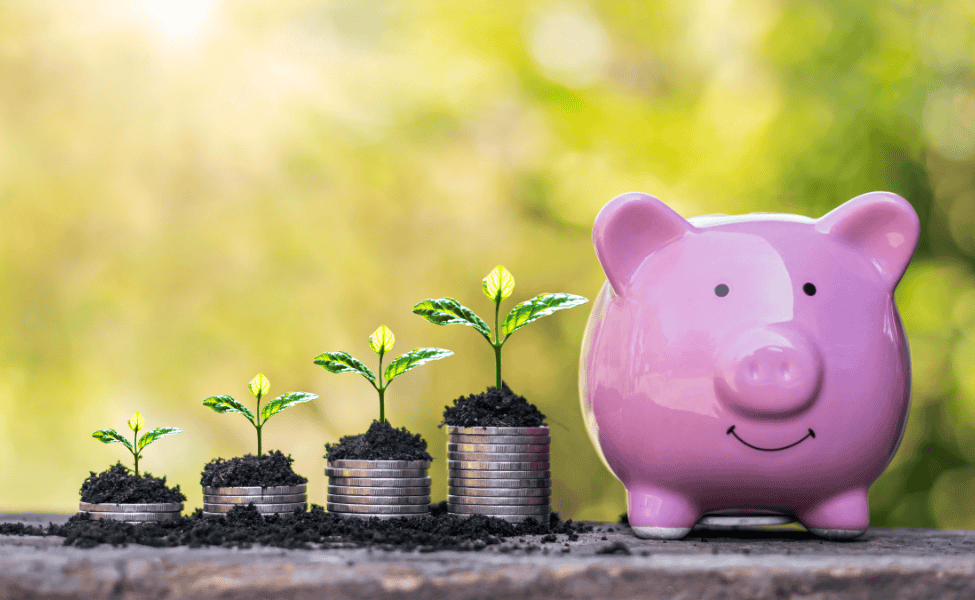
x,y
259,385
381,341
498,284
137,422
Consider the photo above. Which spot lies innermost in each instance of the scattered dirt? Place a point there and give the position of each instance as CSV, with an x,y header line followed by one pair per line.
x,y
493,408
118,485
381,442
273,468
244,526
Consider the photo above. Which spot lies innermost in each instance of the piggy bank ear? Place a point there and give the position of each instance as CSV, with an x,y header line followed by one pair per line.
x,y
882,225
630,228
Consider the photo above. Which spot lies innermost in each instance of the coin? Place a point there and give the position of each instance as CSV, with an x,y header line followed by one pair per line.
x,y
499,500
499,448
471,509
493,457
498,466
260,491
348,490
176,507
379,464
261,508
542,482
349,515
278,499
482,474
375,472
497,430
456,438
215,515
388,509
378,500
380,481
507,492
132,516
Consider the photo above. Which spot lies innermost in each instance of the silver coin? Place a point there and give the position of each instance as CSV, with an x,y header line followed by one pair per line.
x,y
472,509
131,516
278,499
735,522
176,507
380,481
215,515
378,509
493,457
261,508
378,500
483,474
498,466
348,490
259,491
378,464
503,492
499,500
460,482
499,448
497,430
375,472
346,515
456,438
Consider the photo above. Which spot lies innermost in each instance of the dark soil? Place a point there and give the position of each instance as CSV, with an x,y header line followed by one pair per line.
x,y
381,442
493,408
266,470
118,485
244,526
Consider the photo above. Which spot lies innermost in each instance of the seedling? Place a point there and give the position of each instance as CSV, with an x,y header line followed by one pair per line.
x,y
381,341
259,386
110,436
497,286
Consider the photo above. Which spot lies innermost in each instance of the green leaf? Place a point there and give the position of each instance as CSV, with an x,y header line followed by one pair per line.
x,y
342,362
446,311
259,385
137,422
536,308
381,341
110,436
414,358
155,434
498,284
225,404
282,402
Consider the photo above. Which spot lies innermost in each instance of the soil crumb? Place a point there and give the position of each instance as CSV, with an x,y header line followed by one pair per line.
x,y
381,442
493,408
315,529
273,468
118,485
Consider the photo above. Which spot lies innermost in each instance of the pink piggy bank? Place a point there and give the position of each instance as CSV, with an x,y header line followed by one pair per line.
x,y
749,365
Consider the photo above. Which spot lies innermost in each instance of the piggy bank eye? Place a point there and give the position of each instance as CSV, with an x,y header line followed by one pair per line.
x,y
721,290
810,289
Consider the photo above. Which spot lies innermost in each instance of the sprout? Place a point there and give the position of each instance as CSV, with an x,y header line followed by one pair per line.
x,y
497,286
110,436
259,386
381,341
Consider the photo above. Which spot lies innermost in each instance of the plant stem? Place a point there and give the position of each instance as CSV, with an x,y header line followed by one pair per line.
x,y
497,363
135,450
382,392
497,341
258,425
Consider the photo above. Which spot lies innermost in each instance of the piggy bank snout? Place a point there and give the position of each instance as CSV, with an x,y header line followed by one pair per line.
x,y
769,373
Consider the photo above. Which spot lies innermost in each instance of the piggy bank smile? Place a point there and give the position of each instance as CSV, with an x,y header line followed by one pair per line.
x,y
809,434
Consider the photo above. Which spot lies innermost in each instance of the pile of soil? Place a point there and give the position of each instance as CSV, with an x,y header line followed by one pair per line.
x,y
244,526
493,408
271,469
118,485
381,442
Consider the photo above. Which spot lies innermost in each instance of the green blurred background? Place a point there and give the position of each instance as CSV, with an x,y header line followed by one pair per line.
x,y
195,191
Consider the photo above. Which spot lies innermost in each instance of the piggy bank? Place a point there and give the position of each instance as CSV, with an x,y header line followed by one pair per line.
x,y
748,366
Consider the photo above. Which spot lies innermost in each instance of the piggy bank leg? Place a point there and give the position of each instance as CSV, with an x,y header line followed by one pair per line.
x,y
660,514
840,517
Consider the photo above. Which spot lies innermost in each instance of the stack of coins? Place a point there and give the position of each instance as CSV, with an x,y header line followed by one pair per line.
x,y
133,513
378,488
499,471
277,500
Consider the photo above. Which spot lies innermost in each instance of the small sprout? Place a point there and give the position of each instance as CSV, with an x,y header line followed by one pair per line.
x,y
259,386
497,286
381,341
110,436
